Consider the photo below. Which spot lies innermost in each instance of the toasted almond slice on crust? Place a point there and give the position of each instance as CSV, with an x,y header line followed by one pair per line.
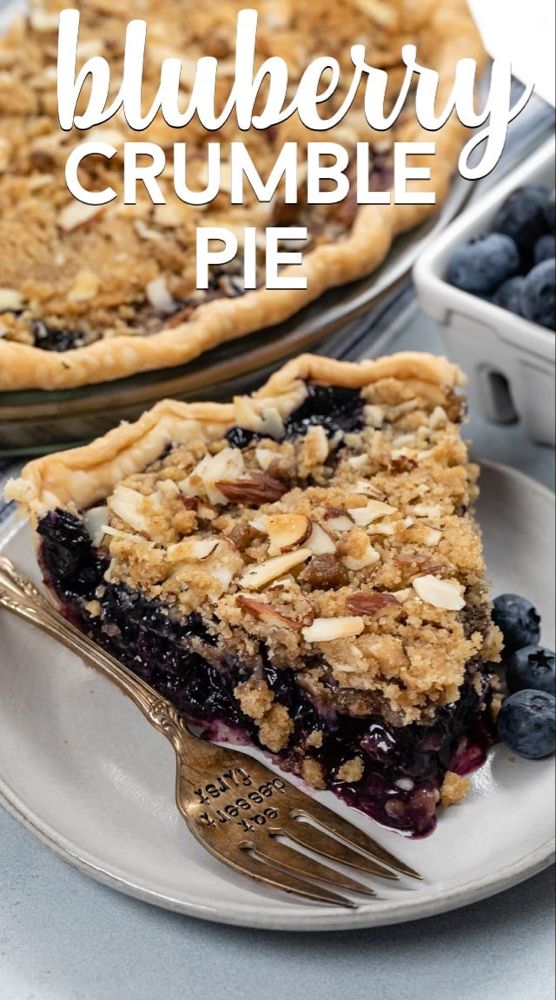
x,y
427,510
367,558
286,531
95,521
227,465
127,504
10,300
366,488
259,575
76,214
320,542
374,509
433,537
444,594
267,614
340,523
371,602
265,457
328,629
193,549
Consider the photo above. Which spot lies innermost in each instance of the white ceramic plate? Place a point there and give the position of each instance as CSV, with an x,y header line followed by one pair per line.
x,y
83,772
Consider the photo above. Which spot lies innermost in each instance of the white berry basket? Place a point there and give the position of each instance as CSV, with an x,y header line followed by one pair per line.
x,y
509,361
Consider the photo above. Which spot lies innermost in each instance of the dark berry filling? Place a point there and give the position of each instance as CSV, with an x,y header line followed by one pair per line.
x,y
49,338
335,409
403,768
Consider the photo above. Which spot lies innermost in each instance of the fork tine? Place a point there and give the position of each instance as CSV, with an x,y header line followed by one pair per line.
x,y
352,835
248,864
287,857
315,840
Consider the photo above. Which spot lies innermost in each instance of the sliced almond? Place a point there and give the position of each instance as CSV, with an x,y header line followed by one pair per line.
x,y
170,488
128,505
438,417
224,575
329,629
320,542
371,602
227,465
427,510
43,20
316,447
366,488
258,488
358,461
10,300
369,557
192,549
202,548
95,521
76,214
85,287
404,595
444,594
159,296
432,537
265,457
273,424
374,416
341,523
375,509
129,536
286,531
263,573
387,529
404,441
267,614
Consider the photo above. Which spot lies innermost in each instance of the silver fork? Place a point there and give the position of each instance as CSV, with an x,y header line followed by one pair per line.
x,y
238,809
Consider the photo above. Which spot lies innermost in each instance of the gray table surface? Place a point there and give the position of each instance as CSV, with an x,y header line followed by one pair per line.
x,y
64,937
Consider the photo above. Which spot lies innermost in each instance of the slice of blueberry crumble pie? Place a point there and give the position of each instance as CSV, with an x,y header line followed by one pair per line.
x,y
300,569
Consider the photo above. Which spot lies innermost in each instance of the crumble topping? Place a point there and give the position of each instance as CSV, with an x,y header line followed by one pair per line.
x,y
361,573
454,789
75,273
352,771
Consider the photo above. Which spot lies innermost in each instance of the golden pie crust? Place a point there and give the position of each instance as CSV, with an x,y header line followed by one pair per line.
x,y
83,476
95,275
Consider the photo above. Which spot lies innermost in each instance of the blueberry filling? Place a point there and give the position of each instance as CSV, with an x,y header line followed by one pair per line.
x,y
335,409
49,338
403,768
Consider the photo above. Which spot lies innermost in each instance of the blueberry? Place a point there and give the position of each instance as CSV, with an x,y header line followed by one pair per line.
x,y
509,296
48,338
482,266
545,248
539,295
518,621
523,216
239,437
526,723
534,668
332,408
550,211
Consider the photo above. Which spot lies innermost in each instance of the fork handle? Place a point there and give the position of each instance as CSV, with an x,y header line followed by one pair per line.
x,y
161,714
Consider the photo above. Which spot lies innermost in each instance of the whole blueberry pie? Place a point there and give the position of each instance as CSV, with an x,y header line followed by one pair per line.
x,y
300,569
89,294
